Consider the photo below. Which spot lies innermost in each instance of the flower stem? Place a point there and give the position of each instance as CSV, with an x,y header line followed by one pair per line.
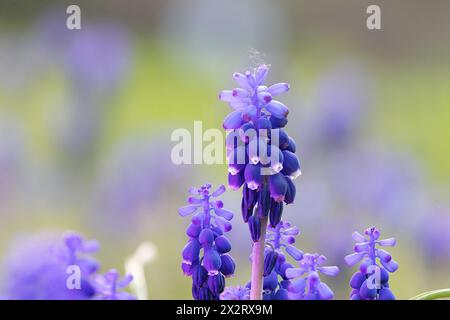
x,y
258,263
432,295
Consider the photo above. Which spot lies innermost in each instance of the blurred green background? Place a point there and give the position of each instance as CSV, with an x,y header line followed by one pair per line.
x,y
86,117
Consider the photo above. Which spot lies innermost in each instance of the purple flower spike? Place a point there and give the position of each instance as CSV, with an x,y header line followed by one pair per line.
x,y
307,284
264,172
371,282
206,232
260,154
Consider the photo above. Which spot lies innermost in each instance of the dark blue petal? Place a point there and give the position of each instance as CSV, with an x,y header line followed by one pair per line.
x,y
277,122
276,210
199,275
355,296
228,265
223,245
193,230
386,294
291,190
281,294
283,140
276,158
195,292
246,214
292,147
267,296
264,201
291,165
357,280
270,282
216,283
367,293
254,224
191,251
253,176
263,124
285,284
269,262
217,230
211,261
277,187
236,181
187,269
206,237
251,197
205,294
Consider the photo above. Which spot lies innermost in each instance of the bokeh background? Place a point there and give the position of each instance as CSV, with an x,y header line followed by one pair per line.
x,y
86,118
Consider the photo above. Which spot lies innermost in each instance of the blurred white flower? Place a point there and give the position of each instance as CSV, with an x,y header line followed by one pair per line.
x,y
145,253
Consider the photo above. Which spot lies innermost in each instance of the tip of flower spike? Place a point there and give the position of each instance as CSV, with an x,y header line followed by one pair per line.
x,y
372,232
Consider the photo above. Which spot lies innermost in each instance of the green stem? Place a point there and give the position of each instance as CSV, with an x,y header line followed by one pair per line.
x,y
433,295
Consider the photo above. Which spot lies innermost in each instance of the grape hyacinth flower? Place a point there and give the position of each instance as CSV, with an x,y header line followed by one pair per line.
x,y
371,281
261,158
206,232
37,267
307,284
279,242
108,284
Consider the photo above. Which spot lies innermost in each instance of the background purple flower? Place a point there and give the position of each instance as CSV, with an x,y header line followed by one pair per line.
x,y
35,267
205,256
371,282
